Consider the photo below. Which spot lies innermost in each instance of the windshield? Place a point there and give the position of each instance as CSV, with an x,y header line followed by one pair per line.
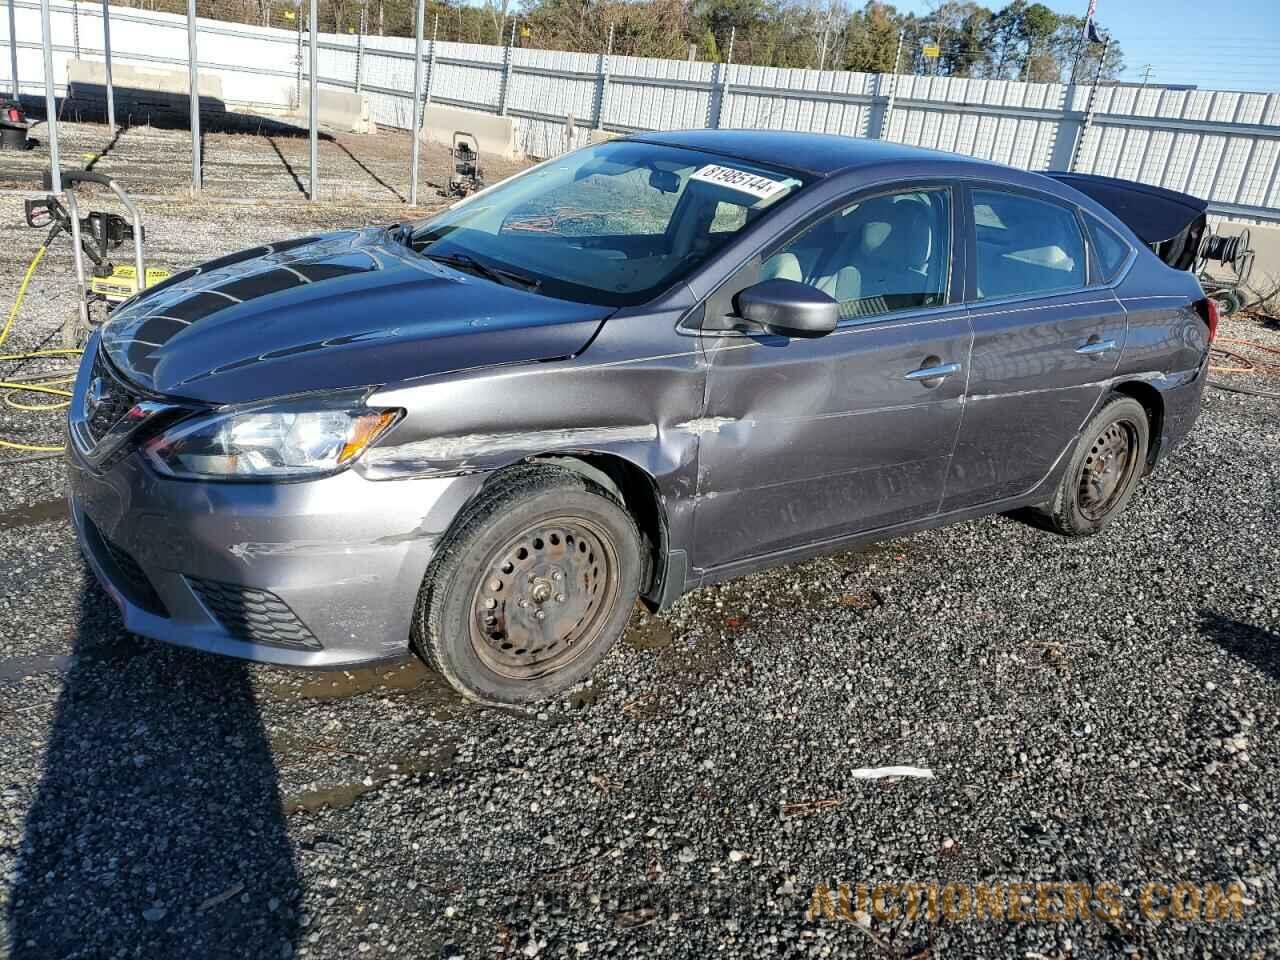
x,y
613,224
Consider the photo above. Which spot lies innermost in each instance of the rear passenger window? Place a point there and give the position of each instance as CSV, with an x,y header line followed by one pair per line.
x,y
1108,249
1025,246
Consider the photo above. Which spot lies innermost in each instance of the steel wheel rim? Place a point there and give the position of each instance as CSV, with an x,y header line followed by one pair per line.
x,y
1108,467
545,597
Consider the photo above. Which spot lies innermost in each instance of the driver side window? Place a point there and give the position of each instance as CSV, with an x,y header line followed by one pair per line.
x,y
883,254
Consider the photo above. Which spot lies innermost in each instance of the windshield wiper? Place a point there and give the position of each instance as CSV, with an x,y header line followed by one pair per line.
x,y
464,261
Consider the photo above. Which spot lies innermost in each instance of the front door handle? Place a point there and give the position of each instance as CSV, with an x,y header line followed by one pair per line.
x,y
935,372
1096,347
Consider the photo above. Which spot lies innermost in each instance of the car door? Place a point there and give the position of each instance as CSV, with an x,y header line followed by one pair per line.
x,y
804,441
1045,343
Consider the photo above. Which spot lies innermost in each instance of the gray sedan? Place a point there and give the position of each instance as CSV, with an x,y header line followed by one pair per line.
x,y
630,371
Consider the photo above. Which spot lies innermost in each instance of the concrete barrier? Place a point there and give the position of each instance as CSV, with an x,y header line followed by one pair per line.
x,y
140,93
338,109
494,134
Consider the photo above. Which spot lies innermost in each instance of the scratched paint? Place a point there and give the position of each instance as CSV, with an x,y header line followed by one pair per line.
x,y
705,425
444,454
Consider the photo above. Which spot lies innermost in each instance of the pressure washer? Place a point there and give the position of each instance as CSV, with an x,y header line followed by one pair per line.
x,y
94,236
468,173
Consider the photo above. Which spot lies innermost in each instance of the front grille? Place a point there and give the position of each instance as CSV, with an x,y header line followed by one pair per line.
x,y
125,573
109,399
258,616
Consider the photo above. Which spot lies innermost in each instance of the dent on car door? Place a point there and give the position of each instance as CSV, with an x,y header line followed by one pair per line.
x,y
1046,341
806,440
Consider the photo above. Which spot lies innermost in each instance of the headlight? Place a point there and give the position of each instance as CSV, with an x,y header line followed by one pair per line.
x,y
291,439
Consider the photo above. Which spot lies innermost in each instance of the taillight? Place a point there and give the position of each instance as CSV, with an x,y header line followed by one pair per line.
x,y
1208,310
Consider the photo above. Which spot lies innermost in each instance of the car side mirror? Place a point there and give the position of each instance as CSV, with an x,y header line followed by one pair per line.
x,y
788,308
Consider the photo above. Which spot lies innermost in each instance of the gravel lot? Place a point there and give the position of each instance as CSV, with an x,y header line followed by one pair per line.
x,y
1105,710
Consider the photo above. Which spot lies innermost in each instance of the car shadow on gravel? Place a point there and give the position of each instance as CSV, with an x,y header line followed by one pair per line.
x,y
1256,645
157,828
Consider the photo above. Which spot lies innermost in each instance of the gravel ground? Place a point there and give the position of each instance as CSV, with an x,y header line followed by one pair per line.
x,y
1101,710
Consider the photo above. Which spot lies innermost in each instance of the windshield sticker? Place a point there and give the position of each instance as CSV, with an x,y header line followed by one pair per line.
x,y
741,180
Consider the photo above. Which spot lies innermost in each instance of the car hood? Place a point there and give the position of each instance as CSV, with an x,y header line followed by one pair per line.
x,y
348,309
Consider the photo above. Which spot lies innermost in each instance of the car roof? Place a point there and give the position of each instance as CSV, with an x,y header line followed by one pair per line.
x,y
819,154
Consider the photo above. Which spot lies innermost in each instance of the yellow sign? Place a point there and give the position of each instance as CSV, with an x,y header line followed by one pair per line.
x,y
289,15
932,51
123,282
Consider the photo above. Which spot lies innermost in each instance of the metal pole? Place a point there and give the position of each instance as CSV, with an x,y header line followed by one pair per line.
x,y
417,99
13,50
893,91
360,50
431,66
313,83
724,86
1088,113
506,73
604,80
297,90
106,46
73,214
193,72
50,101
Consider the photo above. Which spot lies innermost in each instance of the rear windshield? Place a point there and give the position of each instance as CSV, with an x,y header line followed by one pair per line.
x,y
614,224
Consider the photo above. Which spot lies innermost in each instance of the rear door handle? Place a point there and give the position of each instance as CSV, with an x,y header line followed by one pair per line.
x,y
933,373
1095,347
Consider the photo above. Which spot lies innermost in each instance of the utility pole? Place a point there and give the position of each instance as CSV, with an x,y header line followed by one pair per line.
x,y
418,24
893,89
1088,114
1146,74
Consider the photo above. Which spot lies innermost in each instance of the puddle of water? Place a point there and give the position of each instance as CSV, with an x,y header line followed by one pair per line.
x,y
343,795
17,669
42,511
647,633
410,677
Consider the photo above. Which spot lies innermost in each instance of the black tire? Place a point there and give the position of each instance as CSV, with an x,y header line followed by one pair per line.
x,y
538,541
1087,499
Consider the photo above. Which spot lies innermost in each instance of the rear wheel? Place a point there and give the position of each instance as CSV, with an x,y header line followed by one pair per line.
x,y
531,588
1103,472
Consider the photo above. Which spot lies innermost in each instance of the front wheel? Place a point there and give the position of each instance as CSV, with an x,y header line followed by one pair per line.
x,y
531,588
1104,470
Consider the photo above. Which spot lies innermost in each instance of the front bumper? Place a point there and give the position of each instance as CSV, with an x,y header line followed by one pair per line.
x,y
319,573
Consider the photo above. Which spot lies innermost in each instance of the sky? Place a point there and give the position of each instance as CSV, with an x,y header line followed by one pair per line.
x,y
1215,44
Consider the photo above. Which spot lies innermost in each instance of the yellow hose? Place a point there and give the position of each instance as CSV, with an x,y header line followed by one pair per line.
x,y
47,387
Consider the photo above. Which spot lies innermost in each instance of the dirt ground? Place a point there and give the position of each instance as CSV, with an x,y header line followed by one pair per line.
x,y
270,167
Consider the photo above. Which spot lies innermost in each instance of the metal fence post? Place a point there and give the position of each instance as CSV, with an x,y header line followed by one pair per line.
x,y
603,72
13,51
106,46
193,78
297,90
416,130
50,101
360,50
431,66
506,72
721,75
1088,113
893,92
314,94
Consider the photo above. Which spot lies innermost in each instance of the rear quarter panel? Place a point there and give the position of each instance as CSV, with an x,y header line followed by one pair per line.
x,y
1167,343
